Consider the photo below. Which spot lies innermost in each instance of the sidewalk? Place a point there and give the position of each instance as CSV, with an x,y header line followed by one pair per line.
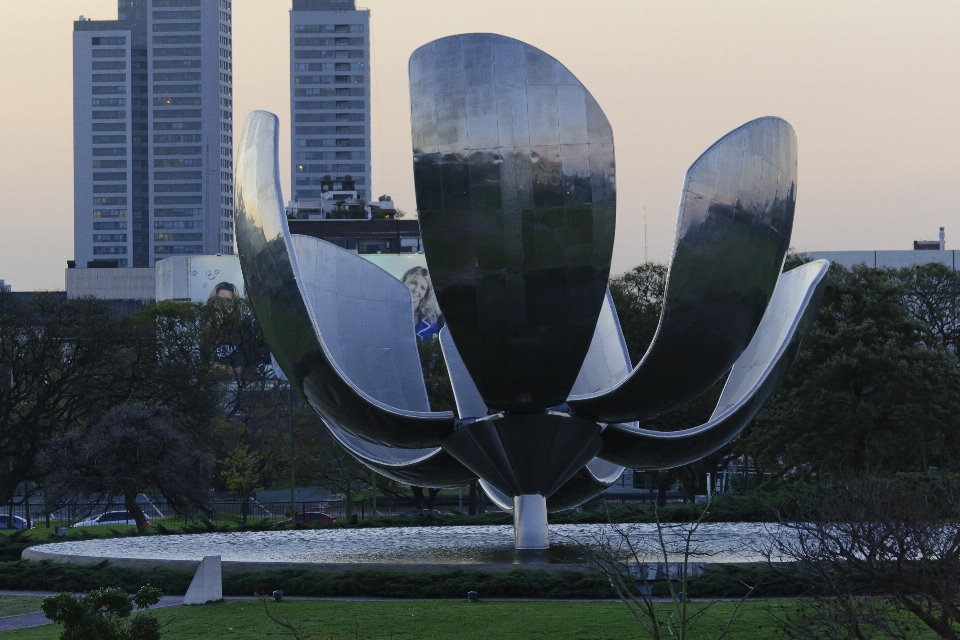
x,y
27,620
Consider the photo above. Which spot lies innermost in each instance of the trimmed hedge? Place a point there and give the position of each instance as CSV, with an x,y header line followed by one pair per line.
x,y
722,581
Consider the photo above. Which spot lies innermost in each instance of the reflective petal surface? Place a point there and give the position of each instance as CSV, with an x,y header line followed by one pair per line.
x,y
275,288
514,173
733,230
752,381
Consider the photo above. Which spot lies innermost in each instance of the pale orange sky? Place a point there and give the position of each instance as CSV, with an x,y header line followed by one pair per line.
x,y
872,88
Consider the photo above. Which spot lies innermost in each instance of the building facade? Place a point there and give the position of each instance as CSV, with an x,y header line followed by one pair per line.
x,y
153,133
329,99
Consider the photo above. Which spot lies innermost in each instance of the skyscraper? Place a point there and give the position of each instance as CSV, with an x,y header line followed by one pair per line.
x,y
329,98
153,133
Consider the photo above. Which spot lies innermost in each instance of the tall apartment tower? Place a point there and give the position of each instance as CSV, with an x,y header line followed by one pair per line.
x,y
329,98
153,133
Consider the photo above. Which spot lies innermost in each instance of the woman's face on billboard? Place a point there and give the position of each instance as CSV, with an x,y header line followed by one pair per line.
x,y
418,288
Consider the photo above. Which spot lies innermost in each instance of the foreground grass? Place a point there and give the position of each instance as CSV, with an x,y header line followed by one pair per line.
x,y
431,619
15,605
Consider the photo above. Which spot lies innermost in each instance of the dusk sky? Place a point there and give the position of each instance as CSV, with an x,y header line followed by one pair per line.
x,y
871,87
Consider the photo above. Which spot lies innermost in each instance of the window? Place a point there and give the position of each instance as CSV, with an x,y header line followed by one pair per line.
x,y
110,213
176,15
118,114
112,64
168,27
109,164
178,248
182,187
177,237
178,224
110,151
109,40
109,188
178,162
97,226
109,53
176,126
176,137
109,102
177,52
114,139
179,76
177,101
109,237
176,3
109,126
177,113
177,200
103,176
176,64
109,77
177,151
105,251
176,39
177,175
175,88
177,213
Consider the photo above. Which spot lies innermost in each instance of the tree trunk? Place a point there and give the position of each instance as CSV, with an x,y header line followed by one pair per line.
x,y
244,506
130,502
431,496
348,507
472,504
417,497
661,483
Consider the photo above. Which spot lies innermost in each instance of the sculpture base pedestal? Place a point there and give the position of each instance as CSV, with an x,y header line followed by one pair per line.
x,y
530,522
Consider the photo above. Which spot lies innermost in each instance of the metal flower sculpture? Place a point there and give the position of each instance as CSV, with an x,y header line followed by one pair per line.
x,y
516,193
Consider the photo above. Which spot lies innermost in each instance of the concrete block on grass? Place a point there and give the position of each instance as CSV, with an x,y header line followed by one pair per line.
x,y
207,584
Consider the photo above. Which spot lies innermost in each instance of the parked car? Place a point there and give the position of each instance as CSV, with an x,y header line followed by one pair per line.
x,y
311,517
18,522
110,517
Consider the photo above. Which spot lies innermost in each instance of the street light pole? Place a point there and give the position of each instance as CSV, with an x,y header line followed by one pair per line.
x,y
293,476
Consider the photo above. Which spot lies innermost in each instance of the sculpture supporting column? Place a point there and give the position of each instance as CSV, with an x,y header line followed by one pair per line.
x,y
530,522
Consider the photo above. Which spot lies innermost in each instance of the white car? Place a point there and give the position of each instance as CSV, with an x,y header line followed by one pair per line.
x,y
110,517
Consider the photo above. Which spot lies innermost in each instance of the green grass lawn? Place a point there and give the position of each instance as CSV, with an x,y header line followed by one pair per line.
x,y
432,619
15,605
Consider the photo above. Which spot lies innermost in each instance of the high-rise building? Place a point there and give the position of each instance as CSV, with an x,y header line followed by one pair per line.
x,y
329,99
153,133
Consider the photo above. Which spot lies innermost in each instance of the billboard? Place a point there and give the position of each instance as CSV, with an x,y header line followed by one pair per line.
x,y
411,270
212,276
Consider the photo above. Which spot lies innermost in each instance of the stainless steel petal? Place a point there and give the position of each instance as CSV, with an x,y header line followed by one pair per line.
x,y
752,381
733,230
469,402
516,196
421,467
275,288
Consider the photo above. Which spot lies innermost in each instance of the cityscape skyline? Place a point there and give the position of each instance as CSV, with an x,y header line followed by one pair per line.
x,y
872,89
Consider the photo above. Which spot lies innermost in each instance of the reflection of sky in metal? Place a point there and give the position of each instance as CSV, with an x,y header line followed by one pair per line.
x,y
723,542
514,173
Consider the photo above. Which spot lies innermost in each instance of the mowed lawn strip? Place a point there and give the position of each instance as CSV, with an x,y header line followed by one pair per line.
x,y
435,619
15,605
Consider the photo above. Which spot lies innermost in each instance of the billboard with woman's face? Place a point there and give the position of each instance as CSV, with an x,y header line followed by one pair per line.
x,y
411,270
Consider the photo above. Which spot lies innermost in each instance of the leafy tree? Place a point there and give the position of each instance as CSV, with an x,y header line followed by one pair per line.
x,y
933,300
63,363
336,470
868,392
104,614
132,449
243,473
638,298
